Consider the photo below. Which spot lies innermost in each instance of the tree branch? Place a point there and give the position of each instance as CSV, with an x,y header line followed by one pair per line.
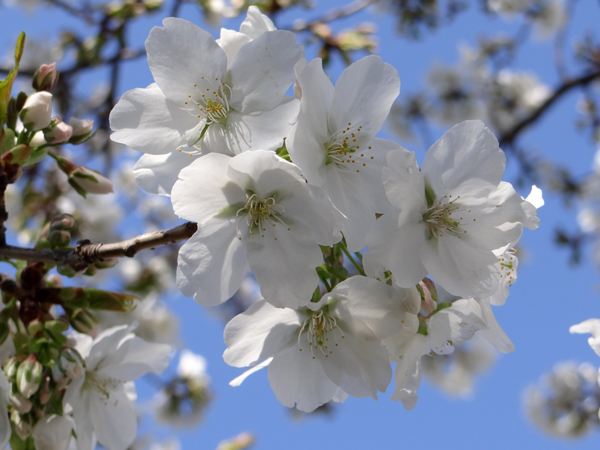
x,y
86,253
334,14
509,136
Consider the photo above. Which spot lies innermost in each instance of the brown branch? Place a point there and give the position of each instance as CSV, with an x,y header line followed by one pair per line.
x,y
86,253
509,136
338,13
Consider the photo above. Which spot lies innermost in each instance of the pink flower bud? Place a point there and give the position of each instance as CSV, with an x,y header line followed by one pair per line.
x,y
37,111
58,131
89,181
81,130
46,77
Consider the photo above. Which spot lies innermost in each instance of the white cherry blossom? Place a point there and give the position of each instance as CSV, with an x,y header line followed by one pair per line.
x,y
446,329
453,213
334,142
201,100
253,211
97,397
326,350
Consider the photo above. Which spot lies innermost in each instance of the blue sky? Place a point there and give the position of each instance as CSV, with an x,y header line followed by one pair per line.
x,y
550,295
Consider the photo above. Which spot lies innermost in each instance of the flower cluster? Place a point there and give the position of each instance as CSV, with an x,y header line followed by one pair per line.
x,y
294,188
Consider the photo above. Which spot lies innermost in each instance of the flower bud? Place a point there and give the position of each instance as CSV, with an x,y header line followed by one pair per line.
x,y
16,155
22,427
58,131
19,402
84,321
89,181
38,139
59,238
63,222
34,328
45,394
10,368
29,376
54,280
46,77
81,130
37,111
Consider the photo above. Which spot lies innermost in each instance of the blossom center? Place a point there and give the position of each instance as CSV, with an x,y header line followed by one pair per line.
x,y
344,149
319,327
209,101
508,266
260,212
101,385
440,219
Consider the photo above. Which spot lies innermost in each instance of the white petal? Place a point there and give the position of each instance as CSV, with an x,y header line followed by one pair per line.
x,y
591,326
407,377
114,418
146,121
179,55
359,364
364,94
306,141
259,131
212,263
311,207
385,309
256,24
404,183
452,326
284,263
465,161
239,380
396,249
7,349
135,357
231,41
105,344
264,173
460,268
260,332
495,335
263,70
158,173
204,189
298,379
535,197
53,432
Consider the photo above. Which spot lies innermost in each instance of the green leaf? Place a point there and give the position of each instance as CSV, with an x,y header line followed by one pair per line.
x,y
7,83
35,157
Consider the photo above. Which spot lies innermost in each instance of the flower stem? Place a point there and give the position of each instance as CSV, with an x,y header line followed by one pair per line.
x,y
352,260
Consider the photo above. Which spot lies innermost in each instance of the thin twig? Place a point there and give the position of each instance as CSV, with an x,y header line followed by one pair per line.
x,y
86,253
337,13
509,136
79,13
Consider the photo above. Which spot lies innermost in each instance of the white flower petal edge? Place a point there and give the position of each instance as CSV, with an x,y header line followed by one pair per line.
x,y
591,326
98,400
327,350
253,210
455,212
